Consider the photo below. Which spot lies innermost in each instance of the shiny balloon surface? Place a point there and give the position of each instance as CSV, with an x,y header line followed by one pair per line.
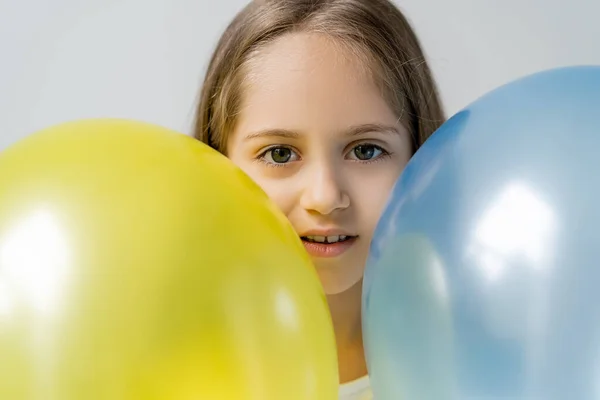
x,y
484,275
138,264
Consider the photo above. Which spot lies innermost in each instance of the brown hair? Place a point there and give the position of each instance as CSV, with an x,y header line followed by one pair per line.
x,y
376,28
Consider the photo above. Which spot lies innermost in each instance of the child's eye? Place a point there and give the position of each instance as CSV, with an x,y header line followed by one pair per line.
x,y
279,155
366,152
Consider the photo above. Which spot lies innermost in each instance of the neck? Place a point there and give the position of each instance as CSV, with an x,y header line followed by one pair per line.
x,y
345,311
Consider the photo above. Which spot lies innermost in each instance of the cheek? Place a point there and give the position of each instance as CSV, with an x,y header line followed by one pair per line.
x,y
371,195
279,192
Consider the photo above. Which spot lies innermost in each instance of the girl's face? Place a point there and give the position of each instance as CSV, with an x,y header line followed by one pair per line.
x,y
316,134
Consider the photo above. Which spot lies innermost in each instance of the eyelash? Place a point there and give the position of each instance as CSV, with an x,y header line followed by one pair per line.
x,y
261,157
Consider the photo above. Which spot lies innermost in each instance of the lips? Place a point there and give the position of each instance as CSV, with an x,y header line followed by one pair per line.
x,y
327,246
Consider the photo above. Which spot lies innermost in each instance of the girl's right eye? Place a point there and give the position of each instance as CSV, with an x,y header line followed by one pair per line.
x,y
278,156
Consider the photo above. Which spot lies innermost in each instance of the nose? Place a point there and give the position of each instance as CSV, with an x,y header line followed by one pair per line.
x,y
324,191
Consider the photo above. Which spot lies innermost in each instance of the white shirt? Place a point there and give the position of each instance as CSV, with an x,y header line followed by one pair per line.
x,y
358,389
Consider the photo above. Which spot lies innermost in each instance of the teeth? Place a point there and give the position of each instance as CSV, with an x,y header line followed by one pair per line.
x,y
327,239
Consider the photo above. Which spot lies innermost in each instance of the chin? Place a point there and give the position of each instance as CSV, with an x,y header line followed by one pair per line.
x,y
336,281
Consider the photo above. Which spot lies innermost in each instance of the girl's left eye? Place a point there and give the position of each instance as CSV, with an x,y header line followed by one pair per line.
x,y
366,152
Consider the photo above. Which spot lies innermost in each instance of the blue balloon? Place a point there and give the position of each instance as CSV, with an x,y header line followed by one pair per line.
x,y
483,280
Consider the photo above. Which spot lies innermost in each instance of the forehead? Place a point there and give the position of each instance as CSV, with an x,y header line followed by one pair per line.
x,y
310,82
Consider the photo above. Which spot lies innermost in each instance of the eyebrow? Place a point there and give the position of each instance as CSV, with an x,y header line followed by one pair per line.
x,y
356,130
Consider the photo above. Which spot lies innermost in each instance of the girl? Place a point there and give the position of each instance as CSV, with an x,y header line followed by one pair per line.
x,y
322,103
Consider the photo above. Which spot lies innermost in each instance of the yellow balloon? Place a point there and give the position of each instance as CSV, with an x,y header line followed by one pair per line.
x,y
138,263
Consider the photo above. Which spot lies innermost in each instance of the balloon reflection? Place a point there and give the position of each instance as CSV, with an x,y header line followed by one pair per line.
x,y
34,264
517,224
6,301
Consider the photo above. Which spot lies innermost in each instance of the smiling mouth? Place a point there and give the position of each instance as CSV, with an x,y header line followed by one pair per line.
x,y
327,239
